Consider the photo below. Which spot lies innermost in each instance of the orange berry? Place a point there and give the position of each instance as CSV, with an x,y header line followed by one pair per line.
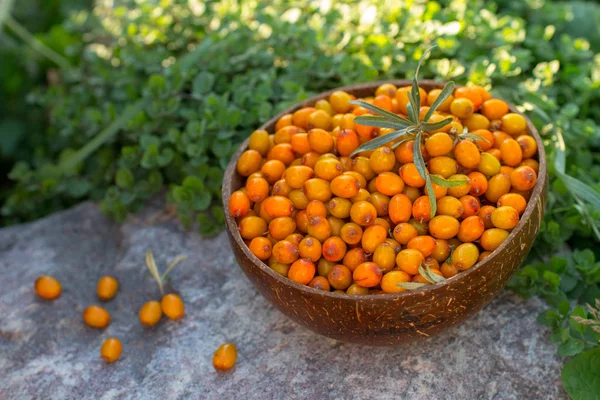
x,y
493,238
351,233
404,152
443,166
479,183
411,192
471,229
106,288
410,175
523,178
357,290
272,170
513,200
278,206
347,141
385,256
261,248
471,206
321,283
284,135
324,266
298,199
494,108
383,101
389,183
47,287
451,206
259,141
421,209
302,271
441,251
334,249
498,185
319,227
486,144
300,118
380,202
282,152
316,208
372,237
382,160
485,213
281,188
489,165
285,120
511,152
96,317
363,213
505,217
387,89
465,256
476,122
257,189
339,207
249,162
444,227
409,260
317,189
425,244
448,270
309,159
459,191
111,350
439,144
367,274
280,268
462,107
251,227
354,257
362,166
389,282
533,164
513,123
339,101
404,232
467,154
319,119
471,93
528,145
281,227
172,306
239,204
445,105
345,186
285,252
225,357
310,249
299,143
320,140
340,277
325,106
400,208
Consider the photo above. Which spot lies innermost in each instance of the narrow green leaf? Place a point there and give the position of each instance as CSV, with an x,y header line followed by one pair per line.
x,y
418,156
402,141
447,183
425,53
472,136
433,126
410,285
413,108
378,142
581,190
444,94
431,195
171,265
70,162
429,275
560,158
380,111
381,122
151,264
5,10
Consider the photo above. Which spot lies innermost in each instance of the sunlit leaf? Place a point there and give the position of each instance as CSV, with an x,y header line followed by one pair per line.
x,y
447,183
378,142
433,126
410,285
381,122
444,94
382,112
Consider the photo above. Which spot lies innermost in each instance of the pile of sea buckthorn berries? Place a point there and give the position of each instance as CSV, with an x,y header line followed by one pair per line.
x,y
362,225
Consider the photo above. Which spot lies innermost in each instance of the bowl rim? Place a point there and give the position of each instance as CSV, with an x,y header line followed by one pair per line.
x,y
480,265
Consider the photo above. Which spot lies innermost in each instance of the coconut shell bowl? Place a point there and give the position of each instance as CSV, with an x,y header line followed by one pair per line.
x,y
395,318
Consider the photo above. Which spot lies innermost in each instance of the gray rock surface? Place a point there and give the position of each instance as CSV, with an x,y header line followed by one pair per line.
x,y
46,352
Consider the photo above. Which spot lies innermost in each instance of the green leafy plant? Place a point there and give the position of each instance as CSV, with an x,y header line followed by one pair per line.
x,y
411,129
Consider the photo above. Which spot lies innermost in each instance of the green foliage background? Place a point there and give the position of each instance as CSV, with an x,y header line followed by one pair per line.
x,y
160,92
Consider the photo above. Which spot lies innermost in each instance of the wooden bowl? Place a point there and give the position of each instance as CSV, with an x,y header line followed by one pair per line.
x,y
395,318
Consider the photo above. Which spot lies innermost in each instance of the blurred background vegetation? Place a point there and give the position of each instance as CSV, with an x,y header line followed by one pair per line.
x,y
141,97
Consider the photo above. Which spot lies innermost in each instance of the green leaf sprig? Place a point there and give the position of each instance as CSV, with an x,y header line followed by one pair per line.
x,y
410,129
